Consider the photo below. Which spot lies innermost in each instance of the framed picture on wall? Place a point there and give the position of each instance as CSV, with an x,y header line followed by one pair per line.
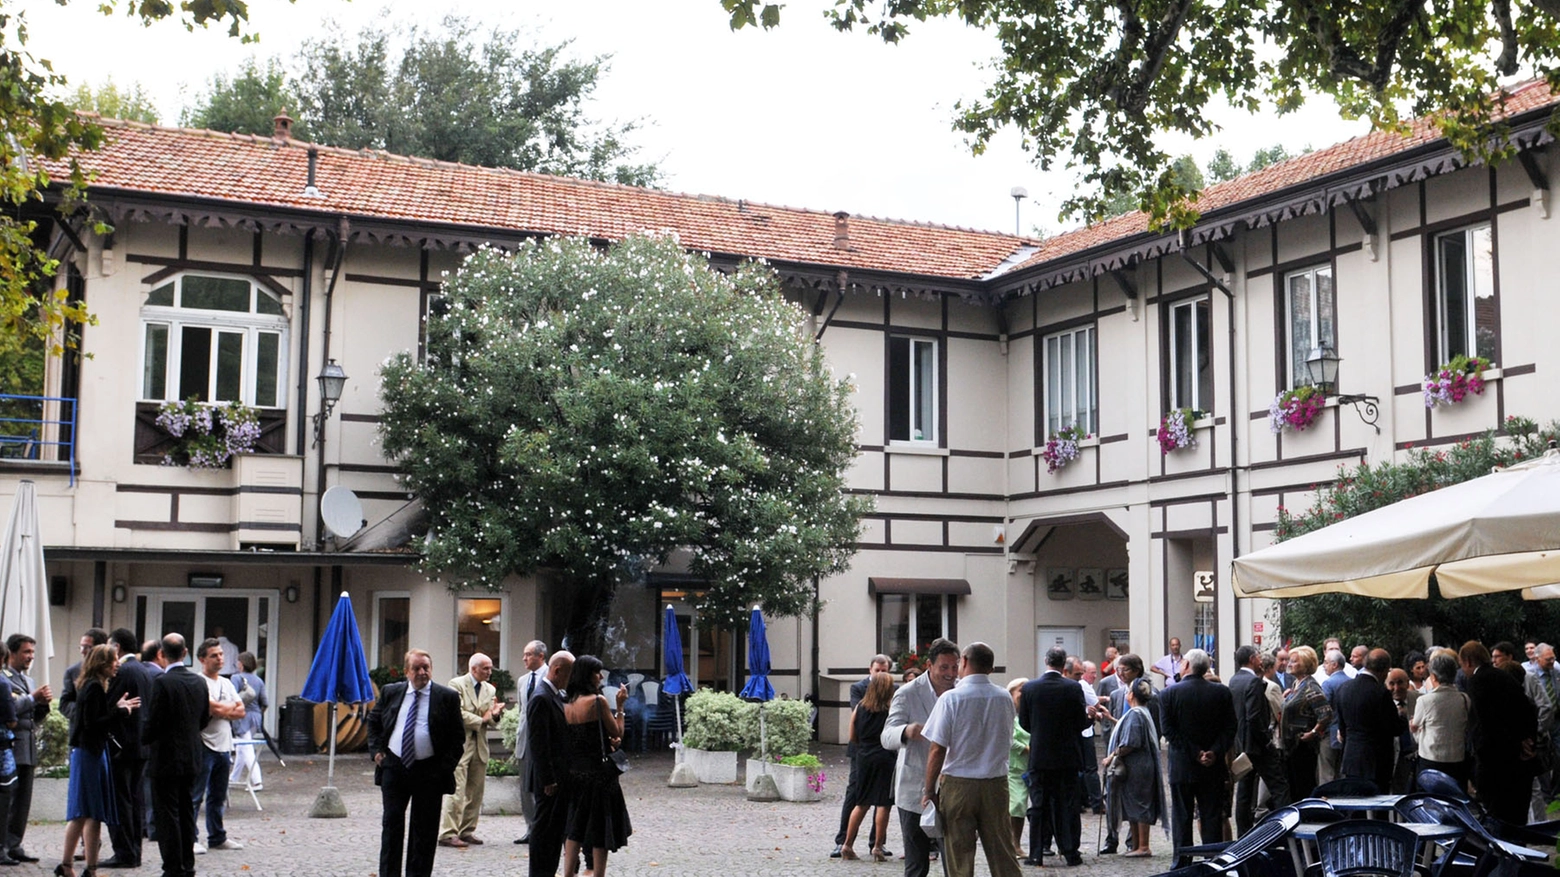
x,y
1059,583
1115,584
1091,584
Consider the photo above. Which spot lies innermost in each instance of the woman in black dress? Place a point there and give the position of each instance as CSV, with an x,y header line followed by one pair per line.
x,y
874,764
89,798
598,817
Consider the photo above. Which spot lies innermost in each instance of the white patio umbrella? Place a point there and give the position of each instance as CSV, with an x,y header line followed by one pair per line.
x,y
24,603
1499,532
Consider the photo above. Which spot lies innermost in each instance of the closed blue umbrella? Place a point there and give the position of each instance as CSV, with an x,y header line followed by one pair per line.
x,y
758,687
675,684
339,673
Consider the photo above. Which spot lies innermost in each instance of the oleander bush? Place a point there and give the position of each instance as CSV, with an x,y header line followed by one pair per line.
x,y
715,721
788,724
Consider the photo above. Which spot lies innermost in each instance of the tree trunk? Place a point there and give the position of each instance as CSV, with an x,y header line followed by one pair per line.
x,y
589,605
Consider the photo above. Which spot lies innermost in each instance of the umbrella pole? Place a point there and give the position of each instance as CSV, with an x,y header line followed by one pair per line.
x,y
328,803
330,770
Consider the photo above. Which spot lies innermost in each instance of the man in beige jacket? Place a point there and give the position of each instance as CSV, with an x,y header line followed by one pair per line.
x,y
479,710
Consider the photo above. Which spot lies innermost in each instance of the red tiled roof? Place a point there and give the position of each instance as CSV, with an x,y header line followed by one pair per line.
x,y
369,184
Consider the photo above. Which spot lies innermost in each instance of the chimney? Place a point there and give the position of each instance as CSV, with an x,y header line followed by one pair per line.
x,y
842,231
284,125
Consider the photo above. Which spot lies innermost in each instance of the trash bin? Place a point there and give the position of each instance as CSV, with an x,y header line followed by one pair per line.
x,y
298,726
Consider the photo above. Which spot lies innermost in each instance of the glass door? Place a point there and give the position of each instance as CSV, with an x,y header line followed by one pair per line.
x,y
247,619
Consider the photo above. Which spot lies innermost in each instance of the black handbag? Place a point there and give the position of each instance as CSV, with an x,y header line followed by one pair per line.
x,y
617,757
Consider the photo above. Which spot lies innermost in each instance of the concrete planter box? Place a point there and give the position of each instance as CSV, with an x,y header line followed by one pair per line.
x,y
790,781
48,800
501,796
712,767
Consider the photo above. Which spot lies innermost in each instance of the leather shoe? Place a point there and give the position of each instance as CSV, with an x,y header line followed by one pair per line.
x,y
1074,860
455,842
20,855
116,862
472,839
1108,850
836,853
1031,860
523,840
887,853
8,861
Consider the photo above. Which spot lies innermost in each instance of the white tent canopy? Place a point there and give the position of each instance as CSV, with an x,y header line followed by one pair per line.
x,y
1500,532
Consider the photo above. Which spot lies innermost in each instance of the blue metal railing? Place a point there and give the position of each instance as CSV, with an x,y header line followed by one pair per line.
x,y
28,433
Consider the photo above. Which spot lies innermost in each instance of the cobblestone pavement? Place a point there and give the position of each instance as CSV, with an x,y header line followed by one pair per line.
x,y
710,830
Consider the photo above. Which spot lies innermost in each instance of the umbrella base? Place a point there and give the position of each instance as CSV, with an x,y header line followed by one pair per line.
x,y
763,788
683,776
328,805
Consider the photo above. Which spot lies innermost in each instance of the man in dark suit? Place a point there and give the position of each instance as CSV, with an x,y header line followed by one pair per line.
x,y
177,709
95,636
32,707
1368,722
1503,735
1053,711
547,742
1199,723
416,737
128,760
1254,737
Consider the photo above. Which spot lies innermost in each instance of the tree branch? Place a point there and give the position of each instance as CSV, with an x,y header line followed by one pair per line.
x,y
1506,63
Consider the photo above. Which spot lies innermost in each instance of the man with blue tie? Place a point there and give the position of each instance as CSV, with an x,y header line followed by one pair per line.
x,y
415,734
535,658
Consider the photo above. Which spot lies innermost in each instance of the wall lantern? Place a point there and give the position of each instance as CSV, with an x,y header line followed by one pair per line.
x,y
1323,366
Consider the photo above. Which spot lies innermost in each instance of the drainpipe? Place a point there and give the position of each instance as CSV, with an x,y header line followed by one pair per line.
x,y
301,428
342,231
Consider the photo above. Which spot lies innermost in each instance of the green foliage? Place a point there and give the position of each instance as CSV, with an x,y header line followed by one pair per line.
x,y
1222,167
502,767
502,680
590,410
109,101
450,93
384,675
803,759
715,721
54,740
509,726
1271,155
1396,624
787,726
1103,86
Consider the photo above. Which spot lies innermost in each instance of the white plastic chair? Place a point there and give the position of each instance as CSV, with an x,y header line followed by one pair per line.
x,y
652,693
610,693
633,682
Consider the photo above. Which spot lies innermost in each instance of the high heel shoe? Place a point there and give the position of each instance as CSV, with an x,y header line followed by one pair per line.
x,y
63,870
877,855
847,853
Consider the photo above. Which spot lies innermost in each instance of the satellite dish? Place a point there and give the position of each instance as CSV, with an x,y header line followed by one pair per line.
x,y
342,511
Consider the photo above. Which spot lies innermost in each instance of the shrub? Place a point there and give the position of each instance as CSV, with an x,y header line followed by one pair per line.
x,y
503,680
509,727
502,767
54,741
385,674
787,722
715,721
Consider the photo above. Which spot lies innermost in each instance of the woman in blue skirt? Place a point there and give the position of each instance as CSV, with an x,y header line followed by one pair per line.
x,y
89,801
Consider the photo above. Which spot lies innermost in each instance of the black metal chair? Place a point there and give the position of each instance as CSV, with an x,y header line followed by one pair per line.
x,y
1440,783
1261,836
1367,848
1485,850
1346,787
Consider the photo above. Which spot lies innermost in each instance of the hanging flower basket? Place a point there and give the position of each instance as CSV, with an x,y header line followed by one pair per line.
x,y
208,435
1296,409
1062,448
1454,380
1175,430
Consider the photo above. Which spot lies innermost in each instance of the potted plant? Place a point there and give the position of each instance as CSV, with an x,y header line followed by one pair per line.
x,y
1454,380
502,792
781,750
51,780
1175,430
207,436
1062,448
713,735
1296,409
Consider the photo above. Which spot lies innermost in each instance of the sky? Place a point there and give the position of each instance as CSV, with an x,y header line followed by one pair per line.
x,y
800,116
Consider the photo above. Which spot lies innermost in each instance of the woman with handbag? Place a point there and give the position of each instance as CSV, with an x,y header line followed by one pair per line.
x,y
598,817
1306,716
89,799
874,764
1136,788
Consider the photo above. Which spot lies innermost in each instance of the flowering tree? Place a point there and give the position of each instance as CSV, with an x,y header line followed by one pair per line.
x,y
589,411
1395,624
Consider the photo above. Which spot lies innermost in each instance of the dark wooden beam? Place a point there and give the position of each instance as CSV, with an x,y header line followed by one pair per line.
x,y
1366,221
1535,173
1222,257
1128,289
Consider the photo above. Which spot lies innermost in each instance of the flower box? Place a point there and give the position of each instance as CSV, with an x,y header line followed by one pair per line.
x,y
1296,409
1177,429
501,796
712,766
1456,380
1062,448
793,783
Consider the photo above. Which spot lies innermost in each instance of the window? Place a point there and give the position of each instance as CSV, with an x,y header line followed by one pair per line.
x,y
1067,366
1191,355
912,389
216,339
1465,293
926,616
392,628
1312,318
479,627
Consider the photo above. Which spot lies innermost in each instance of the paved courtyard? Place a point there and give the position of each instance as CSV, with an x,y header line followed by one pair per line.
x,y
710,830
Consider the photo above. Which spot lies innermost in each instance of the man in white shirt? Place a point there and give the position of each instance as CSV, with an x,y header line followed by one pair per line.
x,y
907,714
1169,667
211,784
971,732
535,658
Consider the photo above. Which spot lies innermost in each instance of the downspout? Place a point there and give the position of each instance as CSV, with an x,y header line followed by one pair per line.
x,y
305,297
343,230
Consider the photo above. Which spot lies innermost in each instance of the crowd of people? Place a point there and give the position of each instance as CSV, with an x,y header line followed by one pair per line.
x,y
963,759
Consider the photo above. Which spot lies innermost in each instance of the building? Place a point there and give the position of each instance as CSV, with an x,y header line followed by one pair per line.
x,y
238,266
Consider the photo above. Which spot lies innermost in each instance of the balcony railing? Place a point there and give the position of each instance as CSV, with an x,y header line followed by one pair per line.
x,y
38,429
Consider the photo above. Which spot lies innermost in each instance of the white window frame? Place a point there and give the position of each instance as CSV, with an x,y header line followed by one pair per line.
x,y
1194,350
945,601
379,617
251,326
1470,287
1083,413
503,630
915,406
1296,379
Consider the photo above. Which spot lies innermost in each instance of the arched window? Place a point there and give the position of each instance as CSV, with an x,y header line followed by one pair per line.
x,y
215,339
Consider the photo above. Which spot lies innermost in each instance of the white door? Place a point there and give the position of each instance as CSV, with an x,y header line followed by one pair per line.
x,y
247,618
1069,638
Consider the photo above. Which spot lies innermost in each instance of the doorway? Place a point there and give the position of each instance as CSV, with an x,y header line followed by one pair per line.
x,y
247,618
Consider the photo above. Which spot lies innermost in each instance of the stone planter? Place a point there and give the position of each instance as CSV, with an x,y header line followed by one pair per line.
x,y
501,796
712,767
790,781
48,800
